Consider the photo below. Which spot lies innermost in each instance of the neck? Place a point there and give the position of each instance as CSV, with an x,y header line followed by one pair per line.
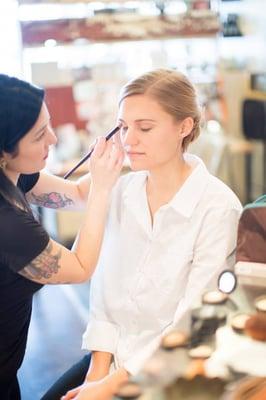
x,y
170,177
164,182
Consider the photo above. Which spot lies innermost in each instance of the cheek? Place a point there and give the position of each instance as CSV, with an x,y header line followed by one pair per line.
x,y
32,153
167,143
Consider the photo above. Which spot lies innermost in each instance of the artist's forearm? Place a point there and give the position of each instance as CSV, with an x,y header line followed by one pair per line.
x,y
53,192
88,242
83,187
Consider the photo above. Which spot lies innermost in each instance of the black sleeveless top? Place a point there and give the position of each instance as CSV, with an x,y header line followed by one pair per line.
x,y
22,239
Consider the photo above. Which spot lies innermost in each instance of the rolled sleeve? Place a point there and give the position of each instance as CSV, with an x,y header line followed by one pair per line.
x,y
134,364
101,336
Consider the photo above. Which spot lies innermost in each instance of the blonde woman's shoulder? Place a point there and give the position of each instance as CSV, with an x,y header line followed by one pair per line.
x,y
222,194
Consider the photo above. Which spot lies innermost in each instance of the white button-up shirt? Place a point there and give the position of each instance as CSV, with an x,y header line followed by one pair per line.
x,y
148,274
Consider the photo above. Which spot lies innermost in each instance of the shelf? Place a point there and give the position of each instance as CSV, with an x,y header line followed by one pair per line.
x,y
118,27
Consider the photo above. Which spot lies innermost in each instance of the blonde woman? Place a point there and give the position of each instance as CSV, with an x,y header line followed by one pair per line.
x,y
171,229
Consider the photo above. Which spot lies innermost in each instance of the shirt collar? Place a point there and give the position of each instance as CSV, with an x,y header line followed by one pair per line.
x,y
185,200
189,195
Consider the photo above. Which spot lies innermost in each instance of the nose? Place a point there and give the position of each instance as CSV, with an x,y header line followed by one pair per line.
x,y
130,138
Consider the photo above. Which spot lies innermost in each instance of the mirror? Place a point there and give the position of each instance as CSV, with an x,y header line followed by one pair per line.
x,y
227,282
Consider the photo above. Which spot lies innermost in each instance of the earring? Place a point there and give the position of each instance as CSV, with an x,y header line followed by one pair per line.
x,y
3,164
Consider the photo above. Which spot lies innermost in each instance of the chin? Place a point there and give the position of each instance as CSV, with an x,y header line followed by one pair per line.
x,y
137,165
30,171
136,168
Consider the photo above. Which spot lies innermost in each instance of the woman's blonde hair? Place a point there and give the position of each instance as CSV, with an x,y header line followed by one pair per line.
x,y
175,94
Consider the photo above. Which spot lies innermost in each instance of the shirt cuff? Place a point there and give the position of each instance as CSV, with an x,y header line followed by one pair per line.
x,y
100,336
135,363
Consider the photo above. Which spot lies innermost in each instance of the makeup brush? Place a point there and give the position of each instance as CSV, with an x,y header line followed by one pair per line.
x,y
87,156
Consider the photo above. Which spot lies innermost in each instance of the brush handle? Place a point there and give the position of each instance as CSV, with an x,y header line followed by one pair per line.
x,y
87,156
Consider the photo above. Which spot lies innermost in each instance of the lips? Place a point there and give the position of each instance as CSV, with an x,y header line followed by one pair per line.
x,y
131,153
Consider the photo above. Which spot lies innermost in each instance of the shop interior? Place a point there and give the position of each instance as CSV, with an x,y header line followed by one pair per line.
x,y
81,52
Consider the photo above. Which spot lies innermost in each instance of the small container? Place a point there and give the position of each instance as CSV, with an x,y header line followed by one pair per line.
x,y
174,340
260,304
205,321
255,327
214,297
202,352
129,391
238,322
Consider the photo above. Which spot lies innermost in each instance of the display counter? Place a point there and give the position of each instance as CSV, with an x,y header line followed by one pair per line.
x,y
217,351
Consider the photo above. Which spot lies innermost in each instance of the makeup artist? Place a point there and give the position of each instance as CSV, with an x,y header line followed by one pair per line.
x,y
171,230
29,258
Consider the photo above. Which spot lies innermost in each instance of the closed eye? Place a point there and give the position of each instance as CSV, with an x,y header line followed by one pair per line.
x,y
145,129
40,135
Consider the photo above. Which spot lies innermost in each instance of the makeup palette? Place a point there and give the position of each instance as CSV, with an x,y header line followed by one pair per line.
x,y
174,339
238,322
214,297
202,351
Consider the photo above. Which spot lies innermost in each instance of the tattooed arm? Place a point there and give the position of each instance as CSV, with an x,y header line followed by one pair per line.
x,y
54,192
57,264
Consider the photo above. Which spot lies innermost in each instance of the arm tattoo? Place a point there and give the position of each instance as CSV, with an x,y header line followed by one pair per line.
x,y
50,200
43,266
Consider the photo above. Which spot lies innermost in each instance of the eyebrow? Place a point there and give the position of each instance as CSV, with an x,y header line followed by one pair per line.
x,y
139,120
42,128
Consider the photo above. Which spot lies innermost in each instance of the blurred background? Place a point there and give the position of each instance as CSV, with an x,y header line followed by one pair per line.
x,y
82,52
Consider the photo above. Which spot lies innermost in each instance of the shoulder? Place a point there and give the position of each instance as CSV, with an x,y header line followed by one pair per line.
x,y
23,238
210,192
220,195
19,225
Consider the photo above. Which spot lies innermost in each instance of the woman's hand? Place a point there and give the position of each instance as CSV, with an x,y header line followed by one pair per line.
x,y
98,390
95,391
106,163
103,389
72,394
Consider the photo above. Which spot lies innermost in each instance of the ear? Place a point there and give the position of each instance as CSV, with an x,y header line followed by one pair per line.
x,y
5,156
186,127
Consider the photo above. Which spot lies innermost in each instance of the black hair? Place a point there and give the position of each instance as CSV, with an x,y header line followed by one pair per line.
x,y
20,106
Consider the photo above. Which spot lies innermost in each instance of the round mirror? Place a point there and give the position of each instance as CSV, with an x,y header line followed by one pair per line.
x,y
227,282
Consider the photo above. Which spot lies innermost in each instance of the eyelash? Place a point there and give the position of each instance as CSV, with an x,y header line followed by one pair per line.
x,y
40,137
124,129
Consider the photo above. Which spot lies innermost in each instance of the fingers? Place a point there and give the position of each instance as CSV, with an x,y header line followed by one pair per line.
x,y
117,140
116,158
99,148
71,393
110,152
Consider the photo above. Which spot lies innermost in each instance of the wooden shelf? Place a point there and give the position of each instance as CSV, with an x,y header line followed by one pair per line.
x,y
121,27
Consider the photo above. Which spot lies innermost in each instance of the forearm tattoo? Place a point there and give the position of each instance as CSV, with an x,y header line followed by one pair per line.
x,y
50,200
43,266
